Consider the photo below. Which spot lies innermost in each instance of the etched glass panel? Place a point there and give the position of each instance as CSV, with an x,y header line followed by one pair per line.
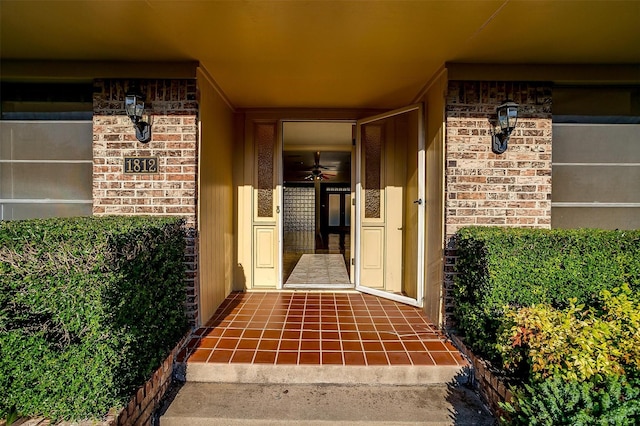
x,y
265,138
372,153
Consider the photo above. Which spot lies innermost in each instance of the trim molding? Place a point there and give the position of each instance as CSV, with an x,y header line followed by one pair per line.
x,y
559,74
77,71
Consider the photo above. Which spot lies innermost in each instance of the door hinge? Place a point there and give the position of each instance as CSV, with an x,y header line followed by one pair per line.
x,y
353,262
353,201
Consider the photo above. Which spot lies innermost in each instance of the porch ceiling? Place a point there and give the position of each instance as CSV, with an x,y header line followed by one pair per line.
x,y
323,53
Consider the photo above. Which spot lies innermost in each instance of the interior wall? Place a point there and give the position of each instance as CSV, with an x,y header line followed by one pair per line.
x,y
216,198
435,102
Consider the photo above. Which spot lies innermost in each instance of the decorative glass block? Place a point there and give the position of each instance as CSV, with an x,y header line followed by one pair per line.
x,y
265,137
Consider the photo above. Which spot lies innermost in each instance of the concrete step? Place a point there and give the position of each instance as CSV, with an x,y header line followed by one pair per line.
x,y
200,404
321,374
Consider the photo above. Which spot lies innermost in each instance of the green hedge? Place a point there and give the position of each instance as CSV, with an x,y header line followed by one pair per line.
x,y
497,267
90,308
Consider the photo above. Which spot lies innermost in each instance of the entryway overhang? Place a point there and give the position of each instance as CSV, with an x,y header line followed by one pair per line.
x,y
335,54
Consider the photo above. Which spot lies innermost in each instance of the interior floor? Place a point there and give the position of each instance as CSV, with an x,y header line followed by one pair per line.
x,y
297,244
319,271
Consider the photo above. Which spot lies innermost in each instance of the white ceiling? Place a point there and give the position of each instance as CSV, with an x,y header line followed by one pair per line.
x,y
301,53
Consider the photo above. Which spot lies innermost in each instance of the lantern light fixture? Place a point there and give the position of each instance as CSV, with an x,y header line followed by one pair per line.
x,y
507,114
134,107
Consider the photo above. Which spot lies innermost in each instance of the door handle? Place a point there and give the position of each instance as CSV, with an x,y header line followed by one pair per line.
x,y
418,201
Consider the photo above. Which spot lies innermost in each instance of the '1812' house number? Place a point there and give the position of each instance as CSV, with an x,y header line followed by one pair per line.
x,y
140,165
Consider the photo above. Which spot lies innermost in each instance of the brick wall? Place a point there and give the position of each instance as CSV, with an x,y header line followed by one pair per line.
x,y
487,189
173,111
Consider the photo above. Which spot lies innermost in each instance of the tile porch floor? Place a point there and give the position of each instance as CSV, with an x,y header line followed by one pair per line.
x,y
319,328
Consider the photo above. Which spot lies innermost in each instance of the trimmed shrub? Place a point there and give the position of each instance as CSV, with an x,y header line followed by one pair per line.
x,y
580,365
90,308
575,343
500,267
558,402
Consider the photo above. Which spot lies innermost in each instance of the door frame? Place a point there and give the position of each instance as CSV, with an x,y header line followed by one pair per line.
x,y
280,188
357,222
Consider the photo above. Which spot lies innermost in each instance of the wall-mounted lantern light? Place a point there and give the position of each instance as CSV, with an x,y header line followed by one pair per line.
x,y
134,106
507,119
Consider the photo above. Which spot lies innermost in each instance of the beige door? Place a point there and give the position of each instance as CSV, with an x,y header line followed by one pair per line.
x,y
390,206
265,229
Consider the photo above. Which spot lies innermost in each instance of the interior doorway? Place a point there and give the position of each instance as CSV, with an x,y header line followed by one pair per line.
x,y
316,199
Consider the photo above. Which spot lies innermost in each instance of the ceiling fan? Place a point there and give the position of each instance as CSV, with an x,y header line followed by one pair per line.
x,y
316,171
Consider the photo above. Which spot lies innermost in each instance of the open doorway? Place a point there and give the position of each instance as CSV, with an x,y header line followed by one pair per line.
x,y
317,190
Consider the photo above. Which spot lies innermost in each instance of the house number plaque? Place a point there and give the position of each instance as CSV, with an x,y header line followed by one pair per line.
x,y
140,165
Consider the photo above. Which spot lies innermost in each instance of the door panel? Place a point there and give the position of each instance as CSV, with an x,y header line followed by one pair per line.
x,y
372,267
266,205
390,205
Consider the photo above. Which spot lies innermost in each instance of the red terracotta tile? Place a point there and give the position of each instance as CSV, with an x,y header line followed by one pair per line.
x,y
398,358
332,358
227,343
268,345
200,355
347,326
349,335
434,346
331,345
252,334
443,358
450,347
232,332
372,346
354,358
182,355
208,342
289,345
459,358
376,358
248,344
330,335
420,358
291,334
368,335
310,358
329,326
389,336
220,356
292,326
287,358
310,345
243,356
271,334
414,346
265,357
384,327
366,328
348,345
393,346
294,318
213,332
309,335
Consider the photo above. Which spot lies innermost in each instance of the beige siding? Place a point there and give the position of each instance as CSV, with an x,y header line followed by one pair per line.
x,y
216,198
434,101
